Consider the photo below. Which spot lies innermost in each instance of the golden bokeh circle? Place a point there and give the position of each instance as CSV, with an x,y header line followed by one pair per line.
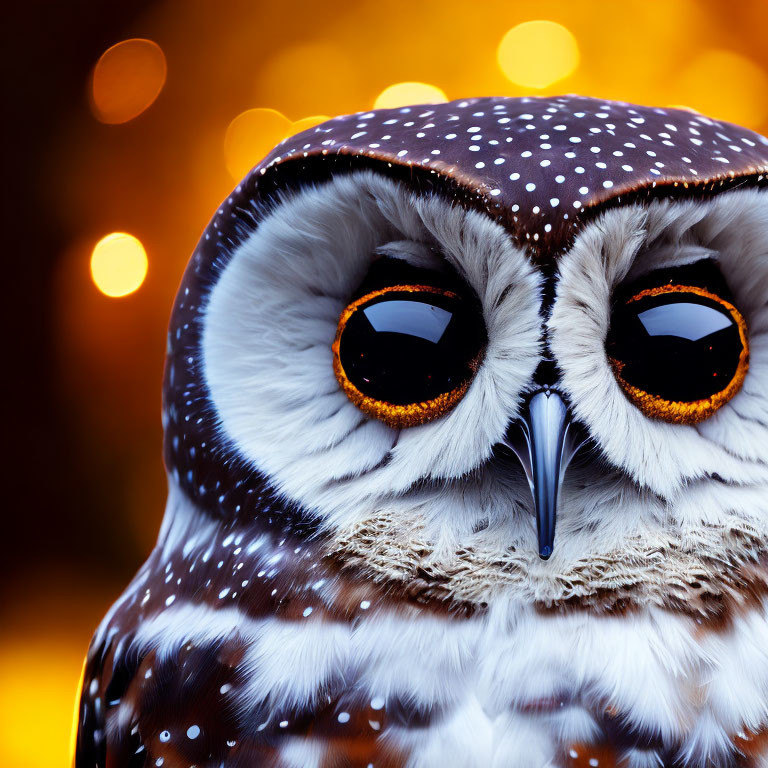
x,y
403,94
118,264
536,54
250,136
127,79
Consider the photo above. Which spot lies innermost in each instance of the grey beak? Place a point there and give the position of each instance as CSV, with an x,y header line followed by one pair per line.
x,y
545,453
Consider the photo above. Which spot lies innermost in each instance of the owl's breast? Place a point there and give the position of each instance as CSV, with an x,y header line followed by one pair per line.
x,y
240,649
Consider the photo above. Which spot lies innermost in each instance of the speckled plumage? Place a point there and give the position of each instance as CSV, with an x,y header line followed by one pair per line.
x,y
270,627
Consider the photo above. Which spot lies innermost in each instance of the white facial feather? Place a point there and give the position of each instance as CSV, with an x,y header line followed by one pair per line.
x,y
271,320
667,458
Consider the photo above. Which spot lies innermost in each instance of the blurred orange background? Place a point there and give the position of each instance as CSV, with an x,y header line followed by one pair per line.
x,y
127,124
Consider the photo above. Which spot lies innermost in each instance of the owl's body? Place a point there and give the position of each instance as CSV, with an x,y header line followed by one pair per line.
x,y
341,582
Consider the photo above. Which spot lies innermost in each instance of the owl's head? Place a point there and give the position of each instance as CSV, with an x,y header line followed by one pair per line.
x,y
430,337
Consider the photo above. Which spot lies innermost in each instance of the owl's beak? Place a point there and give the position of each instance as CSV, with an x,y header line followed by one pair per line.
x,y
545,450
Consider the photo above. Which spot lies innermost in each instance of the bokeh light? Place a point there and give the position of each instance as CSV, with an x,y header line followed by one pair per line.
x,y
118,264
250,136
402,94
38,693
725,85
536,54
127,79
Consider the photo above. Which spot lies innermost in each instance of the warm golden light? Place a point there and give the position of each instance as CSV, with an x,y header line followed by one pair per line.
x,y
126,80
403,94
76,716
536,54
39,685
250,136
725,85
118,264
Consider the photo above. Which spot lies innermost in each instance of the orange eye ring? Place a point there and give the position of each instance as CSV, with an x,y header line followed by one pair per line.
x,y
691,412
394,415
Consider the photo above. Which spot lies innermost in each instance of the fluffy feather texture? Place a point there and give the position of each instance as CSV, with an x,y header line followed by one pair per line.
x,y
505,688
271,320
668,458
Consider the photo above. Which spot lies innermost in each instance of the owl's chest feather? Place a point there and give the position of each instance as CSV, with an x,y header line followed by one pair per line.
x,y
401,685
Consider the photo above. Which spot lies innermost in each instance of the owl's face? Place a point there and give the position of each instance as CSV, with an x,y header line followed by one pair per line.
x,y
372,352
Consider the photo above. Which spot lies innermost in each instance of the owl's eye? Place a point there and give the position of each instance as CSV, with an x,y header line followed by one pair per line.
x,y
406,354
679,352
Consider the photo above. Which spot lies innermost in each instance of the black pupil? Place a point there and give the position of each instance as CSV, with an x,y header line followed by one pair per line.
x,y
406,347
679,346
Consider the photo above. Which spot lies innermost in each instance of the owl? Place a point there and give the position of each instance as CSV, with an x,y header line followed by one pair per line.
x,y
466,433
